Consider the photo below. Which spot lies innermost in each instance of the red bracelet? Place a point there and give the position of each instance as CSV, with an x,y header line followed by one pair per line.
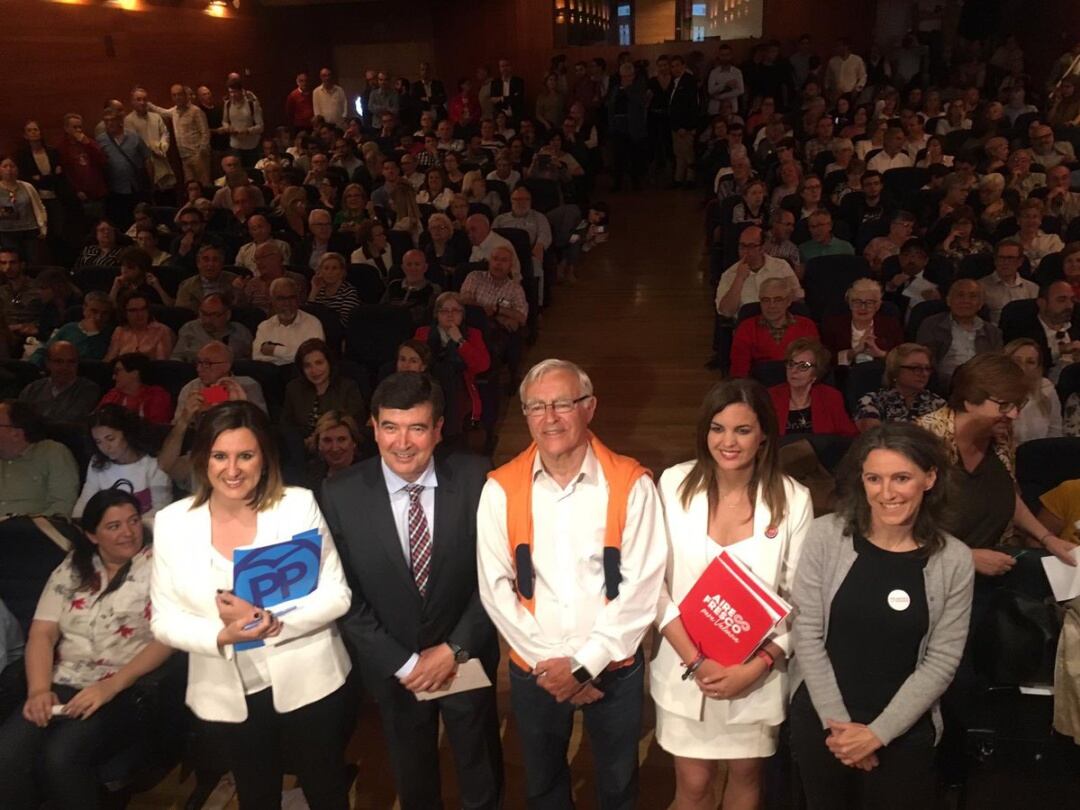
x,y
770,662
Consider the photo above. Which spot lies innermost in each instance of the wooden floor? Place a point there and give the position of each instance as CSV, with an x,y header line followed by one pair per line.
x,y
639,322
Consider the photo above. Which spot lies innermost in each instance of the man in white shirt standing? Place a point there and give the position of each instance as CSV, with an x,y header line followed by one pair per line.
x,y
329,99
570,558
151,129
725,81
192,134
846,72
280,335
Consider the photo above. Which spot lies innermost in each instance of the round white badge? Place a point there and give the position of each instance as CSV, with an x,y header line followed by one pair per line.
x,y
899,600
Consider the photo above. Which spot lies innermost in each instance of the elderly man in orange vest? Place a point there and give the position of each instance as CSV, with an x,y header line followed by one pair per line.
x,y
571,553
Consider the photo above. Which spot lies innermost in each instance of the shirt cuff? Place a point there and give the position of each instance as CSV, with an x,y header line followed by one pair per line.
x,y
405,670
593,657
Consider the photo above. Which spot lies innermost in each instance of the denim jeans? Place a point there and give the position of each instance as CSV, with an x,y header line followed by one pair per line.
x,y
614,727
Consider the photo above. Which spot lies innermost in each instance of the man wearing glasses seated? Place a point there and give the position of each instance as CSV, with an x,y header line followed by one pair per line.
x,y
280,335
740,283
213,324
954,337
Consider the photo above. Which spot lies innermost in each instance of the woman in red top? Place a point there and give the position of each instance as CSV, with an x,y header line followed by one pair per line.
x,y
151,402
864,333
459,354
804,405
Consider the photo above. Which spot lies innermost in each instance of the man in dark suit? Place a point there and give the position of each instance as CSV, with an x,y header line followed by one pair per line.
x,y
429,91
1050,323
405,526
684,111
508,92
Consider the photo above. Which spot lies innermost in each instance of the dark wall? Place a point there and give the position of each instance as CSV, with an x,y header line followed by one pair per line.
x,y
70,58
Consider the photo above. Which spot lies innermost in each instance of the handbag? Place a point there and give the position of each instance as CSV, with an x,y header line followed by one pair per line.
x,y
1016,642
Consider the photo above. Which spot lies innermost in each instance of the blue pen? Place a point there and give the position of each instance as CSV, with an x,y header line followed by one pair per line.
x,y
254,624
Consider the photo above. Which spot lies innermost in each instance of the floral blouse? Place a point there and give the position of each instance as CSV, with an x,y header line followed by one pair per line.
x,y
99,635
942,423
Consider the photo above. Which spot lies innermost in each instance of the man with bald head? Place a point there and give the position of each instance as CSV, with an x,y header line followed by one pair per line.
x,y
269,261
1059,200
62,396
150,127
213,366
1046,150
525,218
503,301
280,335
414,290
192,134
261,233
484,241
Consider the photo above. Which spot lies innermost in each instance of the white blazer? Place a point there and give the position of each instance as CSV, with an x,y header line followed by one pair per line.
x,y
690,550
307,661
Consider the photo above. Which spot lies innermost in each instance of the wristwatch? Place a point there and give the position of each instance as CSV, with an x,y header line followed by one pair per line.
x,y
461,655
581,675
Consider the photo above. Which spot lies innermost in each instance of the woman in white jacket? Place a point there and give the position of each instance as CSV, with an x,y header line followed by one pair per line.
x,y
289,691
734,497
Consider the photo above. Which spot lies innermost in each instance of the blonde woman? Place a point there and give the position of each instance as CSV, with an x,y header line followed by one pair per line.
x,y
1040,417
403,201
474,187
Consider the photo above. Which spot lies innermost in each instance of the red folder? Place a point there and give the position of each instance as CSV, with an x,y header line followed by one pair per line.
x,y
728,614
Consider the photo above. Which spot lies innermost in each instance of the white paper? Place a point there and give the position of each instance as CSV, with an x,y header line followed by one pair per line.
x,y
1064,579
470,675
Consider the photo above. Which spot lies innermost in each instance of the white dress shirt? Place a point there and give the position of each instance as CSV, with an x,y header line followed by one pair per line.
x,y
719,77
881,162
399,505
773,268
331,104
572,618
287,336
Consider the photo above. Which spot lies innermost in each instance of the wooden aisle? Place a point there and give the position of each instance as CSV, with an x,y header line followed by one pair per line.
x,y
639,322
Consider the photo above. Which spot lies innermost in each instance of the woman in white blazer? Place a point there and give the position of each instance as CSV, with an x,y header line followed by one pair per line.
x,y
731,496
289,692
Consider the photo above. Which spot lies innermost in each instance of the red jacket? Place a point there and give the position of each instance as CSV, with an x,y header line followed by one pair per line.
x,y
299,109
457,103
474,353
84,164
827,412
836,333
152,403
754,343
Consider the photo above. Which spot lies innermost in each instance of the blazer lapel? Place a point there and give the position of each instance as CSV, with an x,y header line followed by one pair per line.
x,y
446,519
383,529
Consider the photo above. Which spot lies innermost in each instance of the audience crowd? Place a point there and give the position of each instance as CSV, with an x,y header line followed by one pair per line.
x,y
893,241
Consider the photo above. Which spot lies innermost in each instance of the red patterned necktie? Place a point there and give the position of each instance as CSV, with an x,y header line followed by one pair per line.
x,y
419,539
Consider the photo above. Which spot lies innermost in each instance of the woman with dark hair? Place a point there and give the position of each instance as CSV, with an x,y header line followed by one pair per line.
x,y
458,354
123,459
151,402
318,388
104,252
752,207
281,698
732,496
136,277
57,294
987,394
138,332
435,191
804,404
89,642
413,355
374,248
883,600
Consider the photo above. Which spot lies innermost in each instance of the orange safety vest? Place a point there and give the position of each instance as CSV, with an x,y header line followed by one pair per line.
x,y
516,479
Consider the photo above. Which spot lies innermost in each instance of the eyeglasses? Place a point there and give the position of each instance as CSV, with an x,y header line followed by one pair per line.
x,y
749,245
800,365
208,363
865,302
918,369
537,408
211,314
1005,407
450,310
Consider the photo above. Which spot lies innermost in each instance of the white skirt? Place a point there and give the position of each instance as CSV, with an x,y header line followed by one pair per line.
x,y
713,737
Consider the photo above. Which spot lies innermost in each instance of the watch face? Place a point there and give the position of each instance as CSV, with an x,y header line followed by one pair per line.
x,y
460,656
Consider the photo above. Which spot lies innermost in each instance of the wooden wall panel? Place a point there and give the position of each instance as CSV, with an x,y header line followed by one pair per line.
x,y
65,58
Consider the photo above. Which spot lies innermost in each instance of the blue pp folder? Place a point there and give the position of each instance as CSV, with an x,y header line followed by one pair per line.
x,y
267,576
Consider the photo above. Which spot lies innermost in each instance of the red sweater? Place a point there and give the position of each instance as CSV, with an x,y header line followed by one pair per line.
x,y
299,109
754,343
473,351
152,403
827,412
84,164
